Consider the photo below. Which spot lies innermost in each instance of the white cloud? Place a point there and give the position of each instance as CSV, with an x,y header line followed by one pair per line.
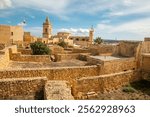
x,y
62,8
51,6
23,23
75,31
136,29
5,4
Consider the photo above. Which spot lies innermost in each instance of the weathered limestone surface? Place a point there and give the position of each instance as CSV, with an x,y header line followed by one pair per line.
x,y
146,66
113,66
103,48
16,56
75,50
128,49
25,51
22,88
58,90
104,83
60,57
4,58
64,73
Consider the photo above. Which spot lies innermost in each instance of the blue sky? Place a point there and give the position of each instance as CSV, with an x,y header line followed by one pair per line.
x,y
112,19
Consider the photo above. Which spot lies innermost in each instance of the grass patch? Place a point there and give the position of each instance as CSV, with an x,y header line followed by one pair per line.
x,y
129,89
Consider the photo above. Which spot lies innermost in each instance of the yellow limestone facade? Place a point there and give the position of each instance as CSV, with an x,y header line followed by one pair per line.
x,y
11,34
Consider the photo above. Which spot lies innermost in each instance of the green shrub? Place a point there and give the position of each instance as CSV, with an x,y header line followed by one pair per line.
x,y
128,89
98,40
39,48
63,44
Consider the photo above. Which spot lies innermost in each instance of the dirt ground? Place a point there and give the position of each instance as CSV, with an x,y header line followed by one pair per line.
x,y
64,63
135,91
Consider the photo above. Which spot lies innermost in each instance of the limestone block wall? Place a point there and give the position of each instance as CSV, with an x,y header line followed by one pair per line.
x,y
113,66
128,49
58,90
66,73
4,58
30,58
16,56
25,51
75,50
146,66
146,47
5,34
57,49
23,88
120,65
104,83
103,48
146,62
60,57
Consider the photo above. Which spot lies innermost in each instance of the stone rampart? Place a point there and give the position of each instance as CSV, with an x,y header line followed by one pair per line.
x,y
22,88
66,73
104,83
146,66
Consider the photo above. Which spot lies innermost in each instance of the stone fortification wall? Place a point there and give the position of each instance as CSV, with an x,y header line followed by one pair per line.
x,y
66,73
116,66
103,83
30,58
103,49
23,88
58,90
113,66
25,51
146,47
60,57
16,56
128,49
146,66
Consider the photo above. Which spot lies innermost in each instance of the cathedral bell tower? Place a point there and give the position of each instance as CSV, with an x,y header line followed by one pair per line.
x,y
47,29
91,35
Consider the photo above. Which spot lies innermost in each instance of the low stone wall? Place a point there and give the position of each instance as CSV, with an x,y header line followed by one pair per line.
x,y
16,56
103,48
58,90
114,65
103,83
25,51
75,50
66,73
60,57
30,58
23,88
